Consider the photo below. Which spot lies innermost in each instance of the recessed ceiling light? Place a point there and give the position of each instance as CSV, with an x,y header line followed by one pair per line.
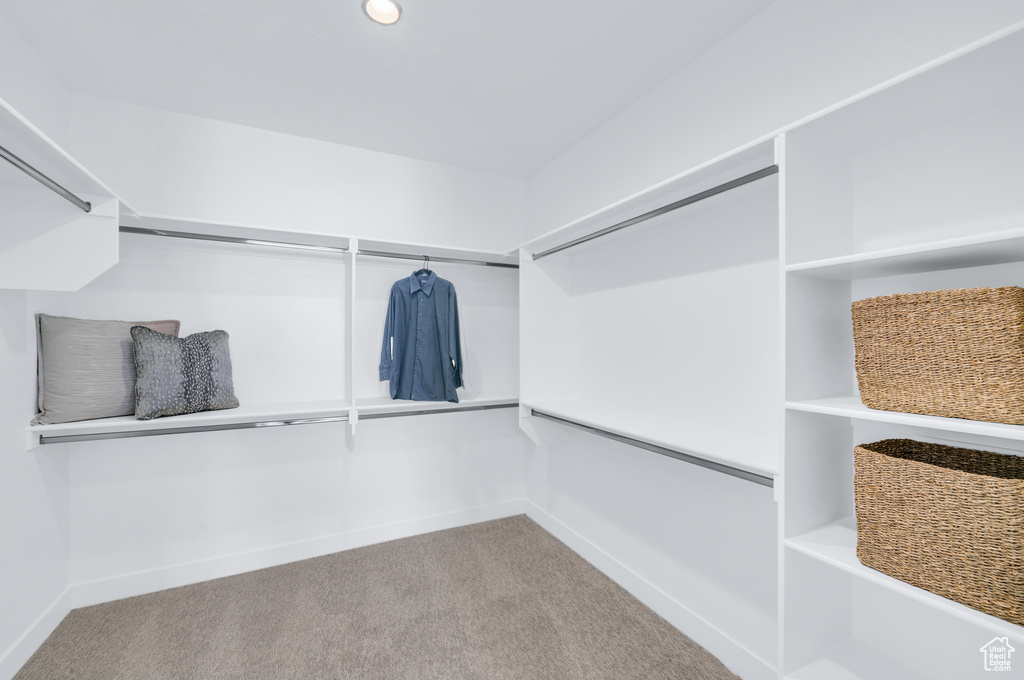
x,y
384,12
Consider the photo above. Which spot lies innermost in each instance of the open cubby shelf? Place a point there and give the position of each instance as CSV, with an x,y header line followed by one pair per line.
x,y
912,188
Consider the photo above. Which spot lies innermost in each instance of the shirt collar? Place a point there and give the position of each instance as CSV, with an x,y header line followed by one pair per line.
x,y
427,287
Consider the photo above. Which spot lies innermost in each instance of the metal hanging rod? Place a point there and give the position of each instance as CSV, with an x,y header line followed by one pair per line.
x,y
689,200
44,180
216,427
424,412
454,260
93,436
764,480
231,239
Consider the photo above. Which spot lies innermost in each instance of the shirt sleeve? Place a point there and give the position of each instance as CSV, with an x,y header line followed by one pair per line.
x,y
454,342
387,346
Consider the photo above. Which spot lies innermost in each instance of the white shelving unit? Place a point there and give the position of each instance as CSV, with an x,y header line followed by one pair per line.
x,y
627,330
733,447
913,188
644,333
302,310
487,286
49,243
658,329
719,329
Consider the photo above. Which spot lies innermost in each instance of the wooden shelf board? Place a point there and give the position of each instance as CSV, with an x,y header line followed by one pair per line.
x,y
850,406
730,446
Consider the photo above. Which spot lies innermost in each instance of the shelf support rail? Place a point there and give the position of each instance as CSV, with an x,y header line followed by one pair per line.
x,y
453,260
764,480
689,200
429,411
230,239
213,427
44,180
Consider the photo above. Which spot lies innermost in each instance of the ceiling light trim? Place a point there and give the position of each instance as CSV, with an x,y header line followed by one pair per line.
x,y
383,12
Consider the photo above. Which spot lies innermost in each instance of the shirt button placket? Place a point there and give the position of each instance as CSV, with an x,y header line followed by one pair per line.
x,y
419,335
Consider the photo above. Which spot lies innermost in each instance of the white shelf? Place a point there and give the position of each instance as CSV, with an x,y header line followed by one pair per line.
x,y
246,414
855,660
263,236
27,142
957,253
255,415
379,405
836,544
730,446
438,253
851,407
717,171
48,242
255,234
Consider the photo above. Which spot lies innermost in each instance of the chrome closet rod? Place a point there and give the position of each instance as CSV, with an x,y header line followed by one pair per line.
x,y
43,179
62,438
230,239
689,200
764,480
454,260
424,412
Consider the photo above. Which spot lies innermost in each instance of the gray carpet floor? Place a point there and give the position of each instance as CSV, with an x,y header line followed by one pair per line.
x,y
500,600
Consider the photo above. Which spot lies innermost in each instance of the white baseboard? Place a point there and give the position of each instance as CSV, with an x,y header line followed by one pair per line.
x,y
733,654
139,583
20,652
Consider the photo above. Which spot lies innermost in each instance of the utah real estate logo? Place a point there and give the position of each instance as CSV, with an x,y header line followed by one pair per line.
x,y
997,654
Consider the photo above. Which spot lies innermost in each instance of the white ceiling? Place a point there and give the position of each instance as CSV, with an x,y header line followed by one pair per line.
x,y
501,86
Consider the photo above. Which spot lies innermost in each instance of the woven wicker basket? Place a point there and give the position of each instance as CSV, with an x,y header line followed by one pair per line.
x,y
953,353
945,519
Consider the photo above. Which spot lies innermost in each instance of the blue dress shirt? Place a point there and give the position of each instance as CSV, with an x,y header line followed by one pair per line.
x,y
421,356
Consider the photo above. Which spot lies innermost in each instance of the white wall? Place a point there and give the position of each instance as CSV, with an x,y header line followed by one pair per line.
x,y
33,489
695,545
33,500
172,164
793,59
185,508
31,87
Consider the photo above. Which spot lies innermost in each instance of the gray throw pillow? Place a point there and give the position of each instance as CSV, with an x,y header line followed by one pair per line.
x,y
181,375
85,367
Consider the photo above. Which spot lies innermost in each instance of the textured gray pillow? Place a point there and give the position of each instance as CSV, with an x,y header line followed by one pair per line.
x,y
181,375
85,367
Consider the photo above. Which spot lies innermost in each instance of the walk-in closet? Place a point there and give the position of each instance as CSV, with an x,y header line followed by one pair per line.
x,y
649,467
